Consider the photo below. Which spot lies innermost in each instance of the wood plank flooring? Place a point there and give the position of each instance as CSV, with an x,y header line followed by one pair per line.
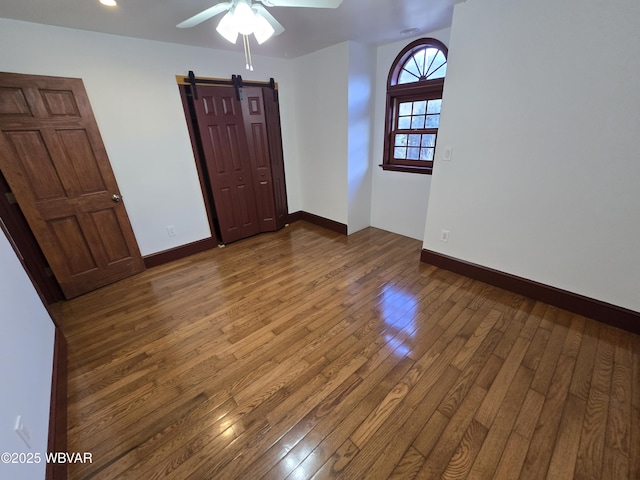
x,y
306,354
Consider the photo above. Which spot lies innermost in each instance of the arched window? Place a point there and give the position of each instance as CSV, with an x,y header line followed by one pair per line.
x,y
414,98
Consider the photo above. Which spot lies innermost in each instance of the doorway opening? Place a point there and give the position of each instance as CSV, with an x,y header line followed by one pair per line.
x,y
55,167
236,138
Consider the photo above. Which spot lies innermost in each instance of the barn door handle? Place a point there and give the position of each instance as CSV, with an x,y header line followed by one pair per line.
x,y
115,197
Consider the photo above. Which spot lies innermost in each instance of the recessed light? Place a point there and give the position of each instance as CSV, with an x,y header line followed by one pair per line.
x,y
409,31
109,3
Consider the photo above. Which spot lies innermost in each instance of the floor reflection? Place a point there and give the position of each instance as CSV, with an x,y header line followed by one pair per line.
x,y
398,310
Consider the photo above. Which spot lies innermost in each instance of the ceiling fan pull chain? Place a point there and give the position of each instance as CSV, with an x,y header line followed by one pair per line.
x,y
247,52
246,56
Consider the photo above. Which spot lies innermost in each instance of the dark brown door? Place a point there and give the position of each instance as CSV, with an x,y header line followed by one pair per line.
x,y
53,158
224,143
255,126
274,135
26,246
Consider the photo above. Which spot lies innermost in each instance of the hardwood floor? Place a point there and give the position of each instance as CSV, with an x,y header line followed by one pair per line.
x,y
307,354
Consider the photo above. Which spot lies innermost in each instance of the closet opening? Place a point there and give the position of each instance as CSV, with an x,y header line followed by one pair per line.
x,y
236,137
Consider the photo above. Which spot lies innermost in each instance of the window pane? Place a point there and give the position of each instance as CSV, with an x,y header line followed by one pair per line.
x,y
433,121
426,154
414,140
434,106
411,67
419,108
419,59
417,121
404,123
400,152
438,68
428,140
440,73
431,55
406,77
401,139
413,153
426,63
405,108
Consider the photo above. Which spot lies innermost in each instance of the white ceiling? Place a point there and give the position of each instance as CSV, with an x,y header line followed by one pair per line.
x,y
306,29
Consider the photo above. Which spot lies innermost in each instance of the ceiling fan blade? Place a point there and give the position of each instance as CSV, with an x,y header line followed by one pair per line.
x,y
205,15
303,3
270,18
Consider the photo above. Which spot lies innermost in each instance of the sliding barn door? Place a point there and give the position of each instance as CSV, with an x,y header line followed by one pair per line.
x,y
255,126
53,158
276,157
224,143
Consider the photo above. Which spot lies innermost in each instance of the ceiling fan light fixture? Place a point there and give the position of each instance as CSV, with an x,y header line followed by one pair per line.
x,y
227,28
244,18
263,29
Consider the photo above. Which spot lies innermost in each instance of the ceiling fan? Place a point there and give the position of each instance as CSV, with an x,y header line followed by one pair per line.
x,y
245,17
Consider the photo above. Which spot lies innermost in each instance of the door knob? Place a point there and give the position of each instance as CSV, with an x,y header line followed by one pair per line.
x,y
115,197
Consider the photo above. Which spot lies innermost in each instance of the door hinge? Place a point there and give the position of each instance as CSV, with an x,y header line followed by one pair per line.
x,y
11,198
48,272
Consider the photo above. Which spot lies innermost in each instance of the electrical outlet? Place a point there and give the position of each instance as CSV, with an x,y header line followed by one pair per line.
x,y
22,431
171,231
444,235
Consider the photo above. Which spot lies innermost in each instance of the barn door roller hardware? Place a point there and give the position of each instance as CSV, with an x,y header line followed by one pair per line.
x,y
236,82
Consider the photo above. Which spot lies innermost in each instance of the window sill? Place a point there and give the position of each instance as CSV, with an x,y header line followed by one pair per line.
x,y
408,169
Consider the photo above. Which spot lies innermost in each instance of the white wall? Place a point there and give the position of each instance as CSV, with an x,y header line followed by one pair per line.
x,y
361,83
399,199
321,114
132,88
26,355
541,107
334,108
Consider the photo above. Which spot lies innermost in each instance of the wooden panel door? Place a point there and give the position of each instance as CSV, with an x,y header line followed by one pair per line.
x,y
255,126
224,143
274,135
19,232
53,158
